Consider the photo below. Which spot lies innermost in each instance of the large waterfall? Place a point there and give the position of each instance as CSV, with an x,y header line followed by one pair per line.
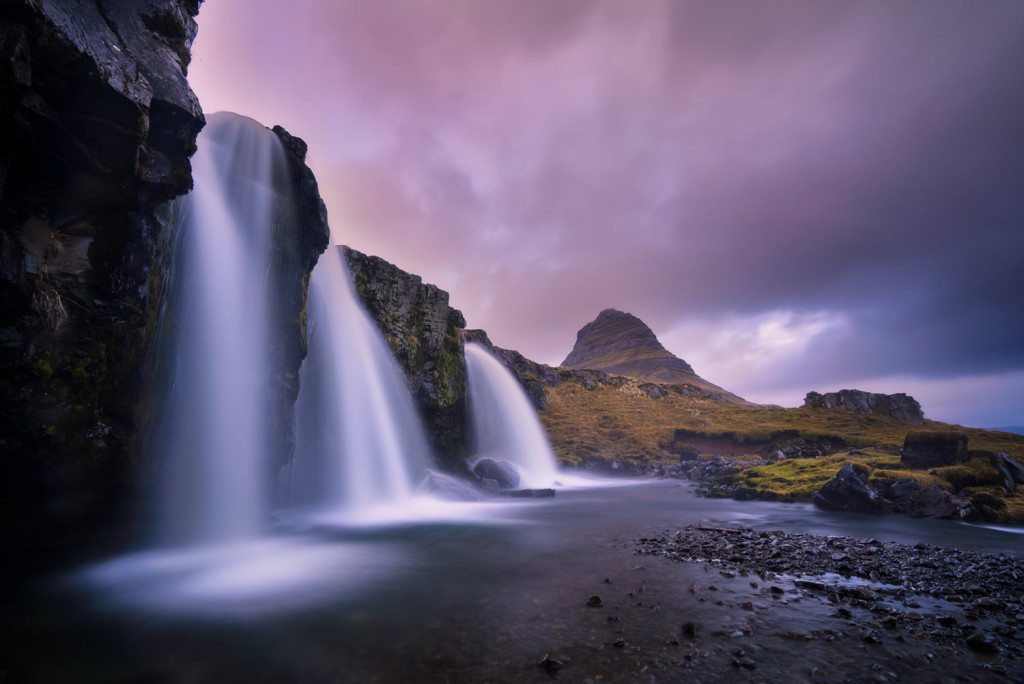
x,y
505,424
359,441
212,444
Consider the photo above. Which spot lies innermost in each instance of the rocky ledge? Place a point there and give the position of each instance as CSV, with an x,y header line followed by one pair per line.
x,y
879,592
900,406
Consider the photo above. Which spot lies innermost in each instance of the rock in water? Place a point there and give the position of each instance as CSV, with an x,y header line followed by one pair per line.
x,y
847,491
502,472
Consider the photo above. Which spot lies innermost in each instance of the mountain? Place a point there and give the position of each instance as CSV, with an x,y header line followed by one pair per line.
x,y
1015,429
619,343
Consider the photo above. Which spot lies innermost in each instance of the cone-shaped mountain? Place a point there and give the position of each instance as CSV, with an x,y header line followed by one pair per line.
x,y
619,343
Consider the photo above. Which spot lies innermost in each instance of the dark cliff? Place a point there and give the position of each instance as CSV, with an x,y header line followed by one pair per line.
x,y
619,343
99,124
425,333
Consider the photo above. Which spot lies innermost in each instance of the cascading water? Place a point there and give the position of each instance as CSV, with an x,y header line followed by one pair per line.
x,y
505,424
359,441
213,440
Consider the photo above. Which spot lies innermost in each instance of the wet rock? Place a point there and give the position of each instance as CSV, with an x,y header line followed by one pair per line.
x,y
425,334
502,472
936,502
983,642
529,493
448,488
595,601
549,664
848,491
689,630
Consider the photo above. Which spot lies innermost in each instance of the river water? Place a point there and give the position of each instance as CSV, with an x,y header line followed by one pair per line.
x,y
471,593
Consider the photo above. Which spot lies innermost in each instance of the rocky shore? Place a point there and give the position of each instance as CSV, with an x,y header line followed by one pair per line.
x,y
962,604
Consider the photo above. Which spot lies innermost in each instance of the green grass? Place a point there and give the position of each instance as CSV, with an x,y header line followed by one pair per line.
x,y
624,424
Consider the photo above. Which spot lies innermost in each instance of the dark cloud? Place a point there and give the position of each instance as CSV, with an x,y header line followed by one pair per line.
x,y
772,165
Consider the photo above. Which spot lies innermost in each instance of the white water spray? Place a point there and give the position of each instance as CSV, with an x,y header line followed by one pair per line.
x,y
360,446
213,432
505,424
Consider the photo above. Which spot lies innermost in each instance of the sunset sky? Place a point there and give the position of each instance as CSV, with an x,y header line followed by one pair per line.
x,y
795,196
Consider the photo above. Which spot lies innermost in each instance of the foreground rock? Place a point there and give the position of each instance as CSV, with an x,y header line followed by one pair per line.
x,y
886,590
848,491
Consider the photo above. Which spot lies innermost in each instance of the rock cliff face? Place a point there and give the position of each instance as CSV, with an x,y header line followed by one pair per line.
x,y
301,235
98,125
900,406
425,334
619,343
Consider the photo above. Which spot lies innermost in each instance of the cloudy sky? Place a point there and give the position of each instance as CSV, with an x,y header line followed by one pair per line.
x,y
794,195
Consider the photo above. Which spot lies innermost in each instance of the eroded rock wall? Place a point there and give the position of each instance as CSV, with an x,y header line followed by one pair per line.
x,y
98,125
425,334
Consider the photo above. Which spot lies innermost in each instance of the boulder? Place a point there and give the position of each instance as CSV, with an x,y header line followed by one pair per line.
x,y
448,488
1011,470
502,472
936,502
848,491
933,449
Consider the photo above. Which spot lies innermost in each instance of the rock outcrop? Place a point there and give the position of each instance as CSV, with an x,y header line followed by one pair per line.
x,y
848,491
900,406
99,123
619,343
933,449
301,235
425,333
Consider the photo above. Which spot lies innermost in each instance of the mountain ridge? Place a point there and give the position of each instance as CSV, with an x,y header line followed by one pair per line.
x,y
619,343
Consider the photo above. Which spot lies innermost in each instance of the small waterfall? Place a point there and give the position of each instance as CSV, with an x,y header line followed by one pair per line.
x,y
212,445
360,445
505,424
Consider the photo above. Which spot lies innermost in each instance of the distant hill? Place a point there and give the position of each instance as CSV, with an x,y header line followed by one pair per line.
x,y
1015,429
619,343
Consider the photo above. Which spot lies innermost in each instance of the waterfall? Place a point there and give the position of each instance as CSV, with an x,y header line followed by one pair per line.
x,y
360,444
212,448
505,424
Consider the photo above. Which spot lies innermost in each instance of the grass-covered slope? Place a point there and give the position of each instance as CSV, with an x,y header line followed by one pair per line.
x,y
623,422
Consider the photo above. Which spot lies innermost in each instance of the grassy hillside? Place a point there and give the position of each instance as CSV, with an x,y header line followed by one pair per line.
x,y
622,422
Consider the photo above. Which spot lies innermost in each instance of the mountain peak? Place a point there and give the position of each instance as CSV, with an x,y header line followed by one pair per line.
x,y
619,343
616,338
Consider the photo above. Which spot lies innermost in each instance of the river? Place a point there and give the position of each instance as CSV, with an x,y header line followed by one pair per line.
x,y
472,593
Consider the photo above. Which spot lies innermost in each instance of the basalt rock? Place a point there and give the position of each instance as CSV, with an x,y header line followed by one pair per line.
x,y
98,125
502,472
848,491
900,406
425,334
936,502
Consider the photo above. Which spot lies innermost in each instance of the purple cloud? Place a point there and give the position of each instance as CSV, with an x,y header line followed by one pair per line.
x,y
720,163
